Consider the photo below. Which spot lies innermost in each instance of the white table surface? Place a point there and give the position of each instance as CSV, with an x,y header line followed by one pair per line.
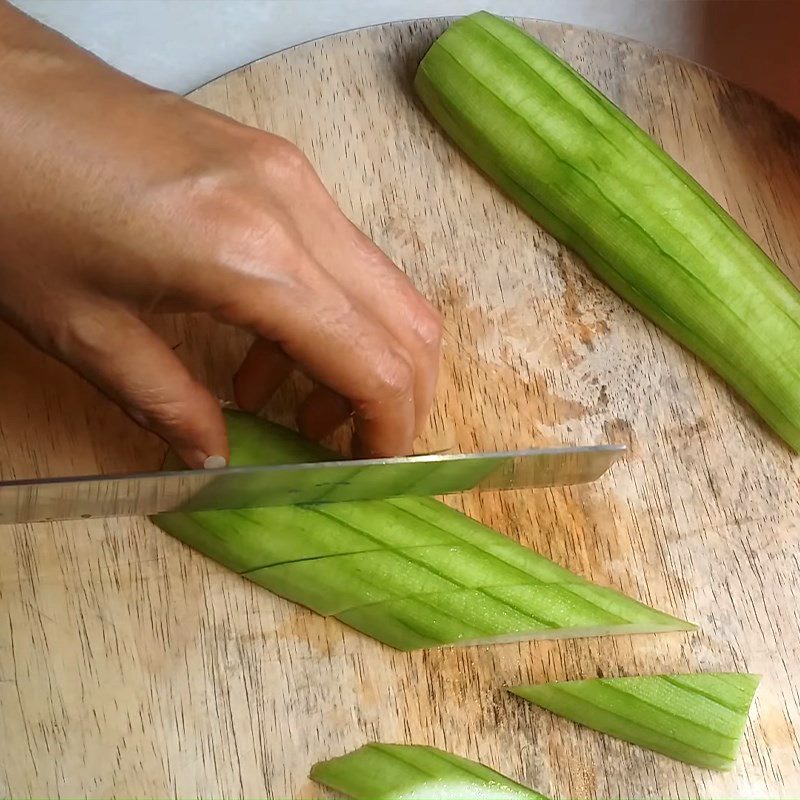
x,y
181,44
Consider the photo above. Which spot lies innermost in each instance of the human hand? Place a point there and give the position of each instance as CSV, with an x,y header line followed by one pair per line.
x,y
121,199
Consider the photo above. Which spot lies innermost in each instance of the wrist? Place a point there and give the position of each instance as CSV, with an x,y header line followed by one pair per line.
x,y
34,57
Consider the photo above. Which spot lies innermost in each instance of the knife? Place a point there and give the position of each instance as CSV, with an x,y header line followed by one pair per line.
x,y
147,493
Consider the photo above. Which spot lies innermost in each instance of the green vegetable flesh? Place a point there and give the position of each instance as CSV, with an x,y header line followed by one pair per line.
x,y
599,184
694,718
505,614
410,572
414,772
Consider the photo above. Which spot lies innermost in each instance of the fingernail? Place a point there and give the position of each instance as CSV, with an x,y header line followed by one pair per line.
x,y
215,462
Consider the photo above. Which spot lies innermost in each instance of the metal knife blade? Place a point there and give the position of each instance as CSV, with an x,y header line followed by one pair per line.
x,y
293,484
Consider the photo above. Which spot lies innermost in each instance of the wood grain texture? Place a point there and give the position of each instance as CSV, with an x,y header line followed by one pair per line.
x,y
131,666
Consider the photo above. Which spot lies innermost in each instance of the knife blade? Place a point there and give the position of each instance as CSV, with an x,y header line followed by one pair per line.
x,y
148,493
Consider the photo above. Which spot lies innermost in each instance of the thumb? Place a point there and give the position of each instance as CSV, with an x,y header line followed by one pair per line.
x,y
126,360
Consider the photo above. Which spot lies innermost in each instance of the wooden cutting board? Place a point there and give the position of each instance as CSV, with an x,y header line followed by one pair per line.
x,y
131,666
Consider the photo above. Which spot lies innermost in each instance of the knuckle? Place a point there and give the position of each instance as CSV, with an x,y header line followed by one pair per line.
x,y
280,239
158,413
282,158
79,331
236,208
429,328
395,377
256,240
157,416
217,210
217,202
256,243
